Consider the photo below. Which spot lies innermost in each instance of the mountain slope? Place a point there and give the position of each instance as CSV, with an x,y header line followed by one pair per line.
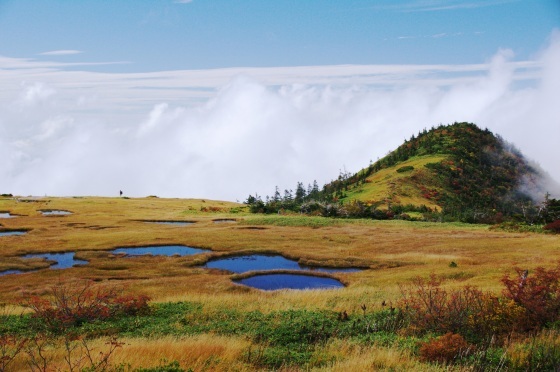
x,y
464,171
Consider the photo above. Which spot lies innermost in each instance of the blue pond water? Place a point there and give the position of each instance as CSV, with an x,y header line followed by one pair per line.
x,y
12,233
55,212
8,272
6,215
256,262
63,260
163,250
271,282
174,223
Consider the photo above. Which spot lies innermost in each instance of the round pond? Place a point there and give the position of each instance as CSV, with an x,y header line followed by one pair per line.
x,y
271,282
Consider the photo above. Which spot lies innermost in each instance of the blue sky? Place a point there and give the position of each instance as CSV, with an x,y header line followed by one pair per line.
x,y
221,99
169,35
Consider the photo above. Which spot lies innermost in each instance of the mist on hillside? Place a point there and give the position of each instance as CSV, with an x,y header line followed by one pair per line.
x,y
250,135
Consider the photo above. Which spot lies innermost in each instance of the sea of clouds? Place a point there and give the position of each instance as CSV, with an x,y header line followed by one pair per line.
x,y
227,133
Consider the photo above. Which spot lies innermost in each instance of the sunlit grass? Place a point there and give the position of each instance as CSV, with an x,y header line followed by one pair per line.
x,y
393,251
397,187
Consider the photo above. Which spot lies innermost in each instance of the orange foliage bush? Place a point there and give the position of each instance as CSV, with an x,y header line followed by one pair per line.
x,y
74,303
467,311
553,226
537,293
445,349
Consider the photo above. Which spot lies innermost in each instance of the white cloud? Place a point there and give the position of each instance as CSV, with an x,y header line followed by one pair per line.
x,y
34,94
65,52
183,1
227,133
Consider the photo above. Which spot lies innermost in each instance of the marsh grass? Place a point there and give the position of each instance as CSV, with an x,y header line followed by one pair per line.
x,y
395,252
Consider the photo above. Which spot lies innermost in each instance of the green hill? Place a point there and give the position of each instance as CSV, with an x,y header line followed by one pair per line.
x,y
466,172
453,172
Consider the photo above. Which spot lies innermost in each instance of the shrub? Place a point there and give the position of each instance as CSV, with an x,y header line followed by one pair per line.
x,y
73,303
467,311
445,349
406,168
553,227
538,294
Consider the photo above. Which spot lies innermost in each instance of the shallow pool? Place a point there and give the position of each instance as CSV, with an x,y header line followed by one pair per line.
x,y
173,223
55,212
160,250
259,262
63,260
224,220
271,282
9,272
13,233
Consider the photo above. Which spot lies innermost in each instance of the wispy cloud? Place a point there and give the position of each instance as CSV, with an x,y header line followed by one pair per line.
x,y
65,52
183,1
441,5
440,35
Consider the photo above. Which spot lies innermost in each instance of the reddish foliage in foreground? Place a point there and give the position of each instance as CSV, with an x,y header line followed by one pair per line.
x,y
467,311
74,303
445,349
538,293
553,226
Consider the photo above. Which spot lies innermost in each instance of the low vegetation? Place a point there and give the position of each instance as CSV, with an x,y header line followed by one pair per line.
x,y
434,296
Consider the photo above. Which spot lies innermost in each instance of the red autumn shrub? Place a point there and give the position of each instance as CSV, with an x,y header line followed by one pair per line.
x,y
74,303
445,349
468,310
538,293
553,226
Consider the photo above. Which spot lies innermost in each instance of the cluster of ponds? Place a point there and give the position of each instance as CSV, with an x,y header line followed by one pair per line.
x,y
260,265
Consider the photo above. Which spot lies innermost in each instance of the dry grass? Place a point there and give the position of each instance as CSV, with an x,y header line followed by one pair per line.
x,y
350,357
395,252
203,352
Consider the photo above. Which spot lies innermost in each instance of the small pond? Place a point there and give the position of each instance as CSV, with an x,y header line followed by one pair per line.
x,y
258,262
161,250
6,215
224,220
55,212
63,260
271,282
173,223
9,272
12,232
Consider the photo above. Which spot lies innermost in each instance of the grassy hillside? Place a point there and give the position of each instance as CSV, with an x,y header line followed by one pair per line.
x,y
405,183
468,173
204,321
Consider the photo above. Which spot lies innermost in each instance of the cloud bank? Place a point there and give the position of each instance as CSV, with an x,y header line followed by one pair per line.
x,y
228,133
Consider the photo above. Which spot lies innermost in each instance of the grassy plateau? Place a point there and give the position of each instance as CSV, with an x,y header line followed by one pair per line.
x,y
199,319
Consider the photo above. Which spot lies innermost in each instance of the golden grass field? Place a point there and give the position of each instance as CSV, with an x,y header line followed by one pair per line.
x,y
393,251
